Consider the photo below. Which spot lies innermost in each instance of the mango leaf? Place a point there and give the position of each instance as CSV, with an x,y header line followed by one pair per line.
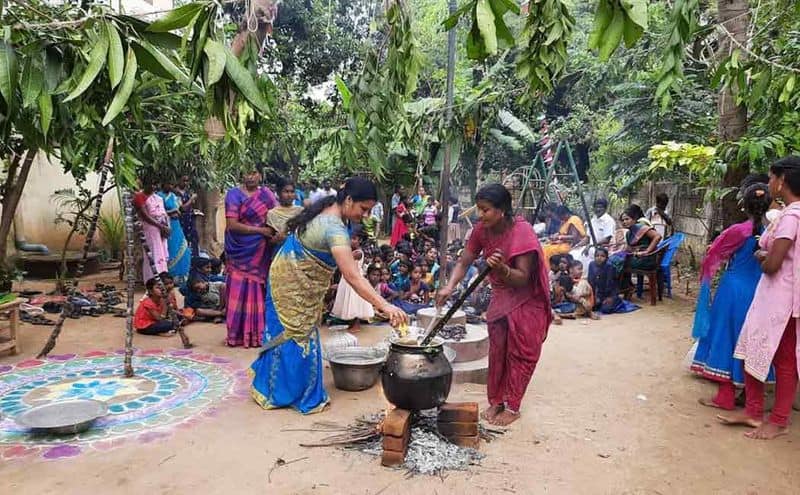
x,y
504,37
485,19
500,7
631,33
154,61
636,11
116,58
51,59
344,92
515,125
244,81
451,21
178,18
199,43
45,111
762,82
124,92
31,84
97,59
9,71
215,54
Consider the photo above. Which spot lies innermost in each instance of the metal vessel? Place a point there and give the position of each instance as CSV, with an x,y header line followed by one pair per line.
x,y
416,377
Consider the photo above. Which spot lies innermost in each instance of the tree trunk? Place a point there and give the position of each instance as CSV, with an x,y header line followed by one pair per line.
x,y
734,17
127,208
15,183
208,201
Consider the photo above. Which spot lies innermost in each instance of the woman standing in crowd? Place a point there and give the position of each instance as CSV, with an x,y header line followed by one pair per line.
x,y
180,255
188,224
519,313
717,325
769,334
288,372
569,234
402,219
247,255
155,226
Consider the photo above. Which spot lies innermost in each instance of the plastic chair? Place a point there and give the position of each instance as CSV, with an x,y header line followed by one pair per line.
x,y
671,244
662,277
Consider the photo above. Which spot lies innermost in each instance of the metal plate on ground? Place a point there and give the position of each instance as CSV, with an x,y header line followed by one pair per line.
x,y
63,417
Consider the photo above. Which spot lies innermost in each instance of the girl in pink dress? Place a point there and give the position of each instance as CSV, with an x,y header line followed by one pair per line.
x,y
769,334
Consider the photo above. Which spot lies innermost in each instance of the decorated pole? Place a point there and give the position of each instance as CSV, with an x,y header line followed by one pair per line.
x,y
67,308
444,203
130,273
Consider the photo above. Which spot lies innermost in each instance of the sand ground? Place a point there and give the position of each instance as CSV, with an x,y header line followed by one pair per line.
x,y
610,410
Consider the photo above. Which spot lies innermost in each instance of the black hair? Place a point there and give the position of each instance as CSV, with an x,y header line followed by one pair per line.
x,y
355,188
753,179
200,262
164,276
575,263
565,281
601,202
406,264
497,196
634,211
375,266
404,247
662,198
282,182
555,260
150,284
562,211
756,203
789,169
601,249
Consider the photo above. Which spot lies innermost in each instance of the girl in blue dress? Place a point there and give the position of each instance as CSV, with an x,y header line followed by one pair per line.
x,y
717,324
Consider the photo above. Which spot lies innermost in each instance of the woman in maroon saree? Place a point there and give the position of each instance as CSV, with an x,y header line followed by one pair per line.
x,y
519,312
247,255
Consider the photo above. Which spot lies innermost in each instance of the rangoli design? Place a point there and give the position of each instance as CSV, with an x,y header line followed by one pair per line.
x,y
170,389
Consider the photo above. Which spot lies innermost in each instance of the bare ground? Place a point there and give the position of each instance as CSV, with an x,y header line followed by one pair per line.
x,y
583,428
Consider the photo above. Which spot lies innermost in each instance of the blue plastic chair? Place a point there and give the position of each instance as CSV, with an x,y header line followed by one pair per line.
x,y
668,247
671,244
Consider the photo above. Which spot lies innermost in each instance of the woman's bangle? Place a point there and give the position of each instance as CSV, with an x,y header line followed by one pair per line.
x,y
508,272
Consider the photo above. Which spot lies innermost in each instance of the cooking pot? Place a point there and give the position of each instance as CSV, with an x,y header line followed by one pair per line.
x,y
356,368
416,378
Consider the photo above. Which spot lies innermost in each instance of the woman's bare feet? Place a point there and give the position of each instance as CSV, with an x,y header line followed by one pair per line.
x,y
767,431
710,403
738,418
505,418
491,412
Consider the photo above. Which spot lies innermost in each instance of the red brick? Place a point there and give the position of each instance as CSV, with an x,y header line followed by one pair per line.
x,y
458,429
399,444
397,423
459,412
392,458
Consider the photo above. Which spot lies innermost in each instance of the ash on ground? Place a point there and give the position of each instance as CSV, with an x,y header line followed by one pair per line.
x,y
428,451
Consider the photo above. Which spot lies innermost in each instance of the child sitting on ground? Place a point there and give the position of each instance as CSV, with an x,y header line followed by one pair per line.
x,y
417,296
401,279
207,299
169,290
581,295
603,280
385,287
150,317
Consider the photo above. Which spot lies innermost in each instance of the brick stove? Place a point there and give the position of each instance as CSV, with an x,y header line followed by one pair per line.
x,y
456,421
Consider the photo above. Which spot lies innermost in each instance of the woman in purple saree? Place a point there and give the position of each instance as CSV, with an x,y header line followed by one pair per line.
x,y
247,257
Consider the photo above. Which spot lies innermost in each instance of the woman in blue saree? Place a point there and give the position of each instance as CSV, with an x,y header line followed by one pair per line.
x,y
288,371
180,255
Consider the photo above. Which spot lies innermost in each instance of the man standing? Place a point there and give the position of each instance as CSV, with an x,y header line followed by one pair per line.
x,y
188,204
659,216
377,217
